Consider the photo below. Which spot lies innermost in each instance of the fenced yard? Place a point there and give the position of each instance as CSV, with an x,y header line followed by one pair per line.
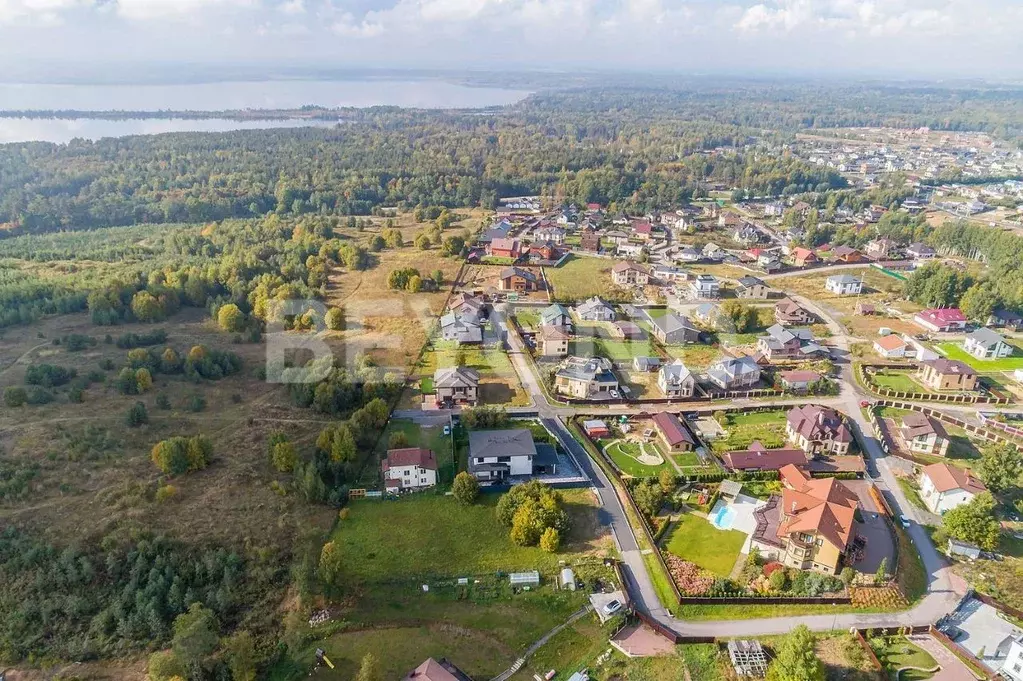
x,y
743,428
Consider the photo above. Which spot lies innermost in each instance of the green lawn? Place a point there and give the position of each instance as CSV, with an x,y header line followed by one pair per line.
x,y
617,350
687,459
527,319
696,540
655,312
896,652
623,453
766,426
1011,363
912,493
695,355
431,437
431,536
900,381
568,651
579,278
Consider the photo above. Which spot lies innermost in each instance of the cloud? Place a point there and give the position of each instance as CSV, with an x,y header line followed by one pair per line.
x,y
346,25
38,12
146,10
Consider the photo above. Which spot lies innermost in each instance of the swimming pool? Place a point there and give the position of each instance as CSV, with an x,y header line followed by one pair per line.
x,y
723,517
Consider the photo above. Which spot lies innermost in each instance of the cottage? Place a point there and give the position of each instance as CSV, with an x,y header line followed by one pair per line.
x,y
891,346
943,487
798,381
640,363
759,458
586,378
410,468
848,255
818,430
553,341
844,285
751,288
801,257
668,274
436,670
941,319
595,310
461,330
948,374
676,381
468,307
1005,318
456,385
516,279
555,315
505,248
590,241
543,250
642,230
495,455
689,254
921,433
674,329
629,274
783,344
734,373
708,314
555,235
986,344
673,432
880,249
920,251
789,313
704,287
816,521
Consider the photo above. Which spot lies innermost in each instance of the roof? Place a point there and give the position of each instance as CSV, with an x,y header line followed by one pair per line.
x,y
799,376
946,478
504,244
949,366
594,424
985,337
788,307
508,442
818,423
675,373
800,253
824,506
844,279
944,315
436,670
672,322
760,458
844,250
410,456
673,430
456,377
552,333
592,304
737,365
587,369
517,272
750,282
626,266
915,424
553,311
890,342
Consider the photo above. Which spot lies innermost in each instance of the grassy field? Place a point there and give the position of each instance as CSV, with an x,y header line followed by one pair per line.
x,y
431,437
1011,363
616,350
499,383
695,356
766,426
570,650
901,381
579,278
623,454
896,652
696,540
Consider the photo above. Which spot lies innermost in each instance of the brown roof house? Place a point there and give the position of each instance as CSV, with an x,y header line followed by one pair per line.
x,y
818,430
409,468
760,458
628,273
436,670
943,487
789,313
517,279
673,432
921,433
947,374
553,341
457,385
816,521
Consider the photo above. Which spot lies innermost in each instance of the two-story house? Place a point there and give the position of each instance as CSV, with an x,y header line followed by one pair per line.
x,y
495,455
843,285
675,380
704,287
943,487
818,430
629,274
456,385
553,341
947,374
409,468
921,433
586,378
789,313
751,288
986,344
734,373
595,310
674,329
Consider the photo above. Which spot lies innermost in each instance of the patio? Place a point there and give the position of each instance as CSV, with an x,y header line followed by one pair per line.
x,y
737,515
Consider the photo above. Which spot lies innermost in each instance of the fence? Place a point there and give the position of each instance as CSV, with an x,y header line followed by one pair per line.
x,y
971,429
964,655
958,398
765,600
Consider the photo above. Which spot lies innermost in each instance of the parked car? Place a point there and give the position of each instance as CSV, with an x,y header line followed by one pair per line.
x,y
614,394
447,430
611,607
904,521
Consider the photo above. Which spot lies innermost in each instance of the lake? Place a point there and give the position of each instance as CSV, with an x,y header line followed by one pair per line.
x,y
271,94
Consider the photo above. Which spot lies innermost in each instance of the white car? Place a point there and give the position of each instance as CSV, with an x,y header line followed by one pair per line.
x,y
611,607
447,430
904,521
614,394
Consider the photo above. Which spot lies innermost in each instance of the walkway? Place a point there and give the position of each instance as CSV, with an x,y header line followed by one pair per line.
x,y
952,668
507,673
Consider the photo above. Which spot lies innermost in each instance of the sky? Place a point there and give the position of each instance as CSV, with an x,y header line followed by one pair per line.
x,y
883,38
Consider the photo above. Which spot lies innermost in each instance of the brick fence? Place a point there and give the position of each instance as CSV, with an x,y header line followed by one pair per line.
x,y
958,398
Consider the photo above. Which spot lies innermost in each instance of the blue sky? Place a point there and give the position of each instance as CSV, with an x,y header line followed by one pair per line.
x,y
935,38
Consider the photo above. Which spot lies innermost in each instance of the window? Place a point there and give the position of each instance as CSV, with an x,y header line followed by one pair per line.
x,y
504,459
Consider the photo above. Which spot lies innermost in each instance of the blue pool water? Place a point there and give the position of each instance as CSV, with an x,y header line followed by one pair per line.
x,y
723,518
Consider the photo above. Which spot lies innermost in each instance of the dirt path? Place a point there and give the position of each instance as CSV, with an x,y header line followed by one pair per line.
x,y
24,355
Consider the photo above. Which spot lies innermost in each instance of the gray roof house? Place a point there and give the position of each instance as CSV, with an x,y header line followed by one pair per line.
x,y
731,373
586,378
458,385
495,455
986,344
674,329
462,330
676,380
782,343
595,310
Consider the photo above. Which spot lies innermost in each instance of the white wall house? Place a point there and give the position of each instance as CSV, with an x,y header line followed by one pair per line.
x,y
409,468
943,487
986,344
843,285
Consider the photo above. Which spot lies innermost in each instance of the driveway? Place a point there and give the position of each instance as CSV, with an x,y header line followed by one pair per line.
x,y
952,669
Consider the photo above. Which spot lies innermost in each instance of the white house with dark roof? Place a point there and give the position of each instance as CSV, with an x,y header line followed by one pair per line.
x,y
495,455
986,344
586,378
923,434
704,287
675,380
843,285
751,288
457,385
462,330
595,310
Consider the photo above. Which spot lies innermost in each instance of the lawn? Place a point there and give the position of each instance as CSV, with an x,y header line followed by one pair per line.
x,y
499,383
695,355
429,536
766,426
527,319
579,278
900,381
1011,363
687,459
696,540
616,350
912,492
896,652
623,454
431,437
568,651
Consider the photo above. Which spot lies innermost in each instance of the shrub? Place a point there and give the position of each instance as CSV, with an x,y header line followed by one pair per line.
x,y
15,396
166,493
778,580
137,415
178,455
550,540
466,488
48,375
37,396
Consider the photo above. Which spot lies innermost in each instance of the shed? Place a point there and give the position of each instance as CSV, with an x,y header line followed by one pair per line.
x,y
567,579
963,549
730,489
596,428
531,578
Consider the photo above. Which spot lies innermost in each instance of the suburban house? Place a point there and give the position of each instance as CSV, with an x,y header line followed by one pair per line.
x,y
986,344
555,315
941,319
689,254
760,458
642,230
629,274
880,249
798,380
1005,318
505,248
843,285
630,250
495,455
408,469
674,329
456,385
865,309
848,255
920,251
553,341
468,306
751,288
781,343
586,378
517,279
734,373
921,433
891,346
462,330
436,670
818,430
675,380
668,274
704,287
627,330
673,432
943,487
543,250
947,374
815,523
789,313
590,241
555,235
595,310
801,257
